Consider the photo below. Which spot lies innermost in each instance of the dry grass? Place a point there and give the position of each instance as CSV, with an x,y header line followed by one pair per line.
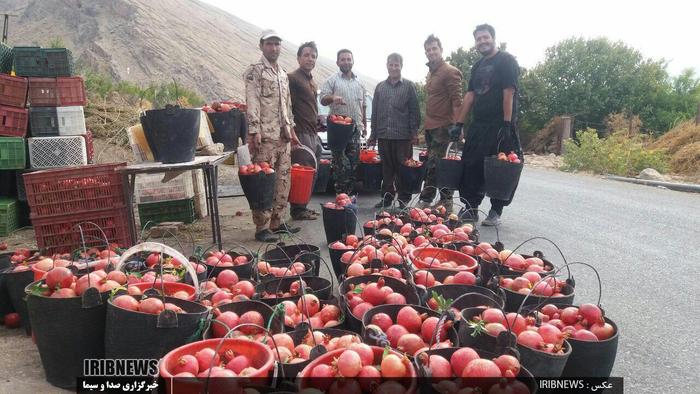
x,y
545,141
617,122
683,145
109,117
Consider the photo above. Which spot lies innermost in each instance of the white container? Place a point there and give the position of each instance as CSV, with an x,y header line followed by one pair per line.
x,y
71,120
52,152
151,188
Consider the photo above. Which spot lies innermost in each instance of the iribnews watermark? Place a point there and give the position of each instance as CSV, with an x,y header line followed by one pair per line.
x,y
120,367
609,385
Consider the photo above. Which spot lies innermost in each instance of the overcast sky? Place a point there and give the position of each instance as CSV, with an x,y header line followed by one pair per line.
x,y
667,29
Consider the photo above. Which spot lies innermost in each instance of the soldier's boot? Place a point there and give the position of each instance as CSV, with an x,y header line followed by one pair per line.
x,y
265,235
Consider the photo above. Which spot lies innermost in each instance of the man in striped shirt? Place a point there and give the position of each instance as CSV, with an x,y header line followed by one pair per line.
x,y
395,122
345,95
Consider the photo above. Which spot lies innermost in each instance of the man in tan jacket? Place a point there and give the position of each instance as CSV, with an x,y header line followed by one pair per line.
x,y
270,130
444,99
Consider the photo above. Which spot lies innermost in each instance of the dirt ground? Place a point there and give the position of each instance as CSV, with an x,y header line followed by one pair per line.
x,y
237,226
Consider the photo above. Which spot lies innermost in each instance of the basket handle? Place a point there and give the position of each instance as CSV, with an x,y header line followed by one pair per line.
x,y
516,141
449,147
162,249
309,151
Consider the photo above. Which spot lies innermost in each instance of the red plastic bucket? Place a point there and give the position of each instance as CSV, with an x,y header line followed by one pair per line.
x,y
38,274
422,258
301,187
368,156
261,357
169,287
305,381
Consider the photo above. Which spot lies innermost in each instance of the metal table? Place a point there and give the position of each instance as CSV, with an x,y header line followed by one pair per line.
x,y
208,165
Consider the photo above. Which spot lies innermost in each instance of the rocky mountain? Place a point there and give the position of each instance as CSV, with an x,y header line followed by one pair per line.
x,y
198,45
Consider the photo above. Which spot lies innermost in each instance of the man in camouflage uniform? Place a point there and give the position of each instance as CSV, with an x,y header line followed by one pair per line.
x,y
345,95
270,130
443,102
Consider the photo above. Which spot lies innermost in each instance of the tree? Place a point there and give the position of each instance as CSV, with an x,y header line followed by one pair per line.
x,y
591,78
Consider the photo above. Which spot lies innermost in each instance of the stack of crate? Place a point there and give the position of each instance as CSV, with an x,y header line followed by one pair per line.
x,y
43,122
55,100
13,130
65,200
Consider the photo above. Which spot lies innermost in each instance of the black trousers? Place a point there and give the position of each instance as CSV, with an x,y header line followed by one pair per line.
x,y
393,153
483,140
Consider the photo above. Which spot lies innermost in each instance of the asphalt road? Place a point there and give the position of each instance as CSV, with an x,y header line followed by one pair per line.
x,y
643,241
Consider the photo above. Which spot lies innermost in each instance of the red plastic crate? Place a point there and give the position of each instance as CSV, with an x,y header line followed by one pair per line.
x,y
89,146
74,190
13,91
71,91
13,121
43,92
60,234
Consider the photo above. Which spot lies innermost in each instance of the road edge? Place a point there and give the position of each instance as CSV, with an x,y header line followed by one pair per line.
x,y
682,187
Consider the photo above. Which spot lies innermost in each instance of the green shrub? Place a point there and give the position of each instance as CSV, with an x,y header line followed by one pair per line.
x,y
618,154
159,94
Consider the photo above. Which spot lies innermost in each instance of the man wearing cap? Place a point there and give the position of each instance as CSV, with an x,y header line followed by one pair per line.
x,y
270,131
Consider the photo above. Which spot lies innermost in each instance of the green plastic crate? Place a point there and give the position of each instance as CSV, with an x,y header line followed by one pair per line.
x,y
28,62
59,62
9,216
167,211
42,62
13,153
6,54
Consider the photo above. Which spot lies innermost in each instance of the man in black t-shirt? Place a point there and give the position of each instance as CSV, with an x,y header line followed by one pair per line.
x,y
492,99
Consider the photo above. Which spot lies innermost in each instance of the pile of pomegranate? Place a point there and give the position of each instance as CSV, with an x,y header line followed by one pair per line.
x,y
412,332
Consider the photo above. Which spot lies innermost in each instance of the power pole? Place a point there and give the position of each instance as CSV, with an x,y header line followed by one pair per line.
x,y
565,132
6,26
697,116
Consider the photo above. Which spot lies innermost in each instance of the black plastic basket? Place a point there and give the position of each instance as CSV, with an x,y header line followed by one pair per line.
x,y
227,128
283,256
15,283
338,222
323,175
449,171
371,176
501,177
67,331
339,135
259,190
412,178
172,133
137,335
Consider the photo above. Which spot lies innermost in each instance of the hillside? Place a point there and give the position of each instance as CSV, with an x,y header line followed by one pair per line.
x,y
198,45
